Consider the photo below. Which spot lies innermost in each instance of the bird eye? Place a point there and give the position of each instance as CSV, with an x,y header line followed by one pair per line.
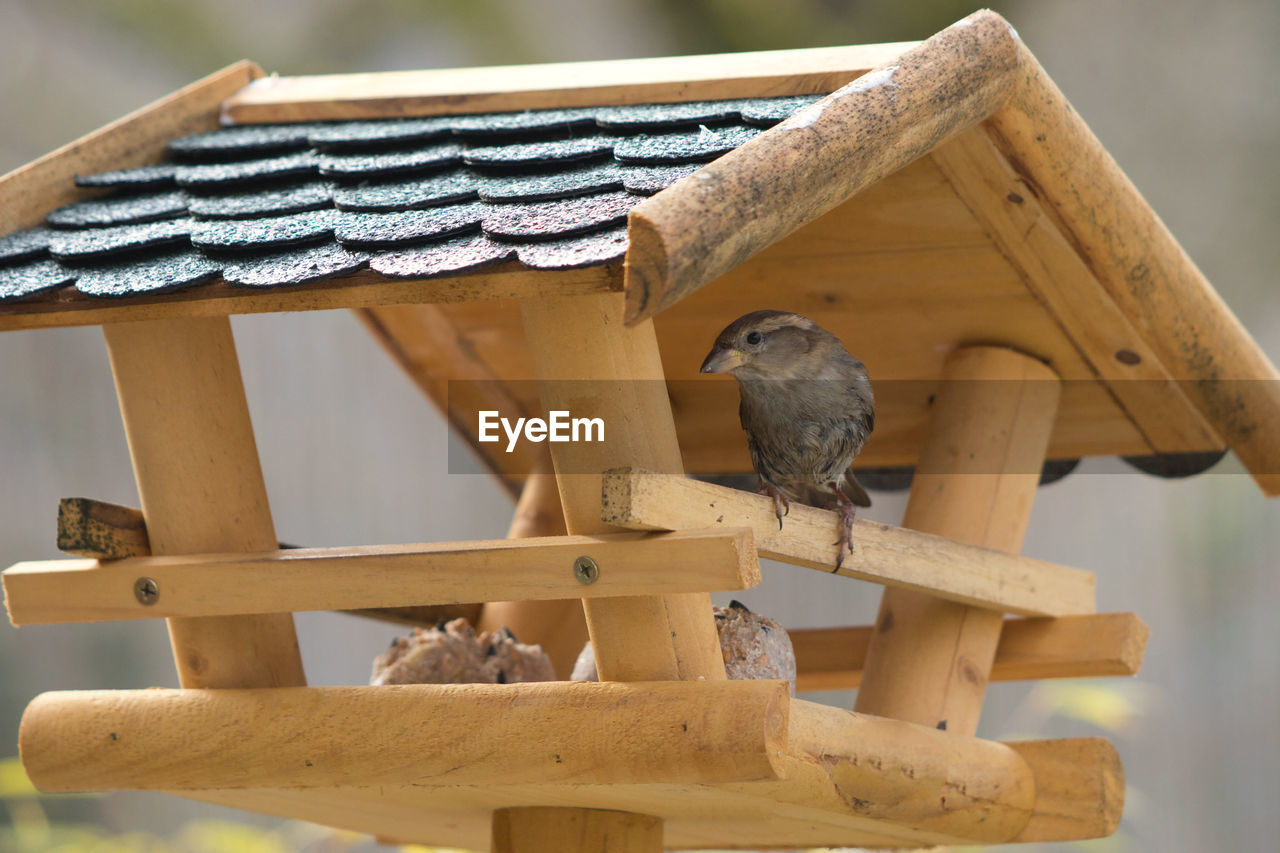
x,y
754,338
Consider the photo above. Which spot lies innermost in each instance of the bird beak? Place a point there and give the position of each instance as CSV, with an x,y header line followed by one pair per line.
x,y
722,361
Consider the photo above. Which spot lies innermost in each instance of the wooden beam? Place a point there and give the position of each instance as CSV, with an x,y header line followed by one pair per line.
x,y
139,139
327,97
196,465
587,360
107,531
566,732
1079,788
884,554
228,584
544,830
558,625
1144,269
1053,270
701,228
359,290
1102,644
929,659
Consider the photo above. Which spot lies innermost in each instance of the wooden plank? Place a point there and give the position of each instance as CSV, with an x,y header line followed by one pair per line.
x,y
196,465
893,556
358,290
140,138
929,659
107,531
227,584
564,84
550,732
542,830
101,530
1063,282
700,228
1090,646
559,625
1137,260
589,361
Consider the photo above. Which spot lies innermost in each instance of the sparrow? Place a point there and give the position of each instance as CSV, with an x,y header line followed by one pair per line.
x,y
807,408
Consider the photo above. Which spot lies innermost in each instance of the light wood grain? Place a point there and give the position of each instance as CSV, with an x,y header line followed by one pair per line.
x,y
702,227
929,659
1079,788
139,139
893,556
589,362
228,584
564,84
420,734
559,625
196,465
543,830
1102,644
1057,275
357,290
1144,269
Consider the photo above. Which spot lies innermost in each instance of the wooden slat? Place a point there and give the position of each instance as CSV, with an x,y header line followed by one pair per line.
x,y
700,228
380,576
882,553
929,659
1079,788
1151,278
553,732
358,290
140,138
196,465
1063,282
650,638
543,830
523,87
1103,644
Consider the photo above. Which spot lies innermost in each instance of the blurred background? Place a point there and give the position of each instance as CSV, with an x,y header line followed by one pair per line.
x,y
1183,95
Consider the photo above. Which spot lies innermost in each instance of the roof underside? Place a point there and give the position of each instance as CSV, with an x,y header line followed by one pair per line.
x,y
908,220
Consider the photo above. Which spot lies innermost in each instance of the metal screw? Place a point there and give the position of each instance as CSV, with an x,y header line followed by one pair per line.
x,y
586,570
146,590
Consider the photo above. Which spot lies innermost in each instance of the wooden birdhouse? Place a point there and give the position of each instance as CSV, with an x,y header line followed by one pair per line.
x,y
571,238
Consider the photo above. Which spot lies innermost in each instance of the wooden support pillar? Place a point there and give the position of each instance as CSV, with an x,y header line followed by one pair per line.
x,y
548,830
589,361
929,660
196,465
558,626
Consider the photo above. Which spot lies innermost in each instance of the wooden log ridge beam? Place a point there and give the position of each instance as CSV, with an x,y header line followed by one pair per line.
x,y
196,466
328,97
1102,644
644,638
706,225
1143,268
929,659
233,584
549,732
884,554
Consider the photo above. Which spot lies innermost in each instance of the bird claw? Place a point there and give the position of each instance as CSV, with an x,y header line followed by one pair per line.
x,y
781,505
848,512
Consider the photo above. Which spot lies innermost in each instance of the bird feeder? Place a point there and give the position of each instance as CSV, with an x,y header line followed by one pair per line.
x,y
548,235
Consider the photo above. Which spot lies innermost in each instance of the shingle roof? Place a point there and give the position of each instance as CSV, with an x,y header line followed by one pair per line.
x,y
286,204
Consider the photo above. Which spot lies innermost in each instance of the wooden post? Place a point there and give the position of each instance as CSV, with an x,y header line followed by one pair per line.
x,y
558,626
547,830
196,465
589,361
929,660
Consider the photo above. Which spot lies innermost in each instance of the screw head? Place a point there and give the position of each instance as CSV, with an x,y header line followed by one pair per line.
x,y
586,570
146,590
